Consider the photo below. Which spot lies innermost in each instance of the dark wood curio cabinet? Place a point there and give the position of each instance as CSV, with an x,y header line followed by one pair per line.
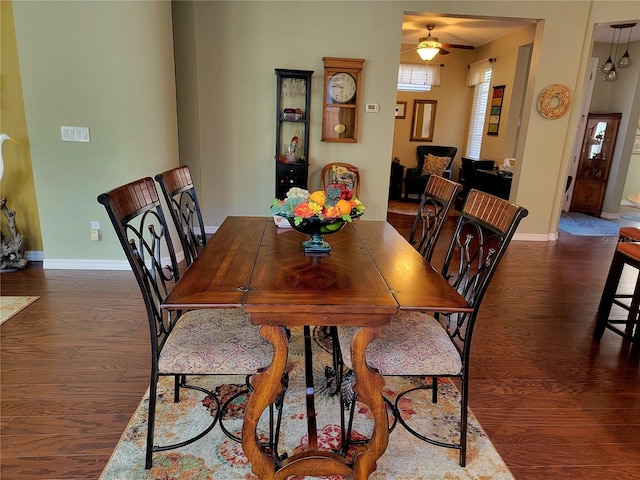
x,y
293,102
595,162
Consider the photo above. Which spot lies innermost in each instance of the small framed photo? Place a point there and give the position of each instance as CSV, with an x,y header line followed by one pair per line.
x,y
636,145
401,110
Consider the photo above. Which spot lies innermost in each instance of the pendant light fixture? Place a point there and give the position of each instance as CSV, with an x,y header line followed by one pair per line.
x,y
625,61
608,68
612,74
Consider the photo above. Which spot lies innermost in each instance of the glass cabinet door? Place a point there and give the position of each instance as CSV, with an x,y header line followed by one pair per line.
x,y
595,162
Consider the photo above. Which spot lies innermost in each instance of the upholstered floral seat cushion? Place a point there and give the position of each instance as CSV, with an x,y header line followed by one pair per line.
x,y
215,341
414,344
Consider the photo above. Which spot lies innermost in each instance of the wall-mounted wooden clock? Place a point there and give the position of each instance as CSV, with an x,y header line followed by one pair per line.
x,y
341,104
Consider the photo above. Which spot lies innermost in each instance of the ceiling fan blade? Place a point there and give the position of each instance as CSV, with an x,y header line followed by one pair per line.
x,y
444,52
408,49
464,47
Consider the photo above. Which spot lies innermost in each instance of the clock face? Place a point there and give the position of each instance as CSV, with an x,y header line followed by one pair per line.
x,y
341,87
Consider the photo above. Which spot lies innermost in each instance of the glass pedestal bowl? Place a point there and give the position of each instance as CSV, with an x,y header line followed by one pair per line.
x,y
317,228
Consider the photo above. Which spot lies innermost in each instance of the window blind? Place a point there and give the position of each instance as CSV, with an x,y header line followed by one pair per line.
x,y
478,113
418,78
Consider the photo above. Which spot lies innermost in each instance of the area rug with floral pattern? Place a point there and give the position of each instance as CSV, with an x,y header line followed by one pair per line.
x,y
216,457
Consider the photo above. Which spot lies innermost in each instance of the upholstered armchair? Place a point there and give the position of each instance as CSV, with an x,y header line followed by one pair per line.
x,y
416,178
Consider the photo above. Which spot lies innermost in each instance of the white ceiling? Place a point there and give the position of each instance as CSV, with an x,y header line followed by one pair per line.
x,y
457,30
604,32
480,31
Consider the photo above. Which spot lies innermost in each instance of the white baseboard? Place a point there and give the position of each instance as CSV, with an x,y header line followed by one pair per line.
x,y
89,264
536,237
35,256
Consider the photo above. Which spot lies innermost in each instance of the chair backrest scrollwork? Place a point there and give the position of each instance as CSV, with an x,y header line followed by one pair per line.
x,y
483,233
180,195
140,224
435,204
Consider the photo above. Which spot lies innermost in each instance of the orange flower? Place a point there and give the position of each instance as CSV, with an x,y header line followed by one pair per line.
x,y
307,210
331,212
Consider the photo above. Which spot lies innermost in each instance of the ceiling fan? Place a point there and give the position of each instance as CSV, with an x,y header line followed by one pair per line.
x,y
428,47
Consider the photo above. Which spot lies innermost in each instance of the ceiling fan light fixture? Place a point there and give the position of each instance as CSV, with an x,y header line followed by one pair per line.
x,y
428,48
427,53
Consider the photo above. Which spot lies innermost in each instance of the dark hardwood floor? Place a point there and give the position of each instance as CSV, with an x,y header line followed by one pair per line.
x,y
556,404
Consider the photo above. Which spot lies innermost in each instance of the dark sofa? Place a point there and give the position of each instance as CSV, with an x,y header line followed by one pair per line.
x,y
414,182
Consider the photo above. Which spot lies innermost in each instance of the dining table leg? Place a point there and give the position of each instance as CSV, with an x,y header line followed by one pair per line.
x,y
267,385
368,385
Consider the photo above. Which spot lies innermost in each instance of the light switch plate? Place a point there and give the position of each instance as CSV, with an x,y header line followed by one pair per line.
x,y
75,134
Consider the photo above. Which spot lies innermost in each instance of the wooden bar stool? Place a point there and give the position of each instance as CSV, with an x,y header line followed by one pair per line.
x,y
629,234
627,253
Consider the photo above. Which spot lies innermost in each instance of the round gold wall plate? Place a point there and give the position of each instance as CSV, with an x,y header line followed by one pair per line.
x,y
554,101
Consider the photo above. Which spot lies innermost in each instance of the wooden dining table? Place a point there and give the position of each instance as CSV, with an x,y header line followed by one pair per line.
x,y
371,273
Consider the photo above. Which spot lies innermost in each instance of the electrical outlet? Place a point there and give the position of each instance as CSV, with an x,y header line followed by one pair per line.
x,y
95,234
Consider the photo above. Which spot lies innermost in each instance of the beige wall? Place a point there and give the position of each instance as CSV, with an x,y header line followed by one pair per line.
x,y
109,66
17,184
632,182
235,109
505,51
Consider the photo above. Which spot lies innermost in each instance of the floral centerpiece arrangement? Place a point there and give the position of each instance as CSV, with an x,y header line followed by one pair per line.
x,y
336,201
318,213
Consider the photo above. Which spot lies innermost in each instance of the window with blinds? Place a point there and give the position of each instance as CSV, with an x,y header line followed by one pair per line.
x,y
478,113
417,78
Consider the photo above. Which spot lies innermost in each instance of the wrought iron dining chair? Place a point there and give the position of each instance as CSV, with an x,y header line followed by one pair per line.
x,y
437,199
193,343
417,344
180,196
